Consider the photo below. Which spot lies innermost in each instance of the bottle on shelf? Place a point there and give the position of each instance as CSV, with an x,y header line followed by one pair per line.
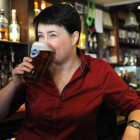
x,y
133,36
4,76
104,40
137,38
128,40
82,39
36,9
0,60
0,80
137,35
12,60
19,60
92,39
3,26
43,4
14,29
5,63
123,35
0,72
10,71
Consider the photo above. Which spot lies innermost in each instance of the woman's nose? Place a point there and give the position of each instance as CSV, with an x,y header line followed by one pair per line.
x,y
46,40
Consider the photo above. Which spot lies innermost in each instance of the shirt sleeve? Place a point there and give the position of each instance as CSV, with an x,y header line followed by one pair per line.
x,y
18,100
117,94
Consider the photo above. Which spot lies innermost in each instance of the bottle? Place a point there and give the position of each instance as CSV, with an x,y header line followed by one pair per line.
x,y
10,71
0,72
133,36
4,76
14,29
12,60
19,60
43,4
3,26
5,63
92,39
120,35
82,39
128,37
0,80
37,11
0,60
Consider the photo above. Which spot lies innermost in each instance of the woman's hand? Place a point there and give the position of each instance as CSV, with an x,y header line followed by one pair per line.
x,y
17,73
131,133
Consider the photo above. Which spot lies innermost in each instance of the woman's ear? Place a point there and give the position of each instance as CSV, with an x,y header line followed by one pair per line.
x,y
75,37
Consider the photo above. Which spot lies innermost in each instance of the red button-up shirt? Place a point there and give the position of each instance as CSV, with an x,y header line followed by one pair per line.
x,y
72,115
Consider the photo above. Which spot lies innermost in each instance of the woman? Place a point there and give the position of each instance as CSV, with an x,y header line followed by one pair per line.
x,y
65,104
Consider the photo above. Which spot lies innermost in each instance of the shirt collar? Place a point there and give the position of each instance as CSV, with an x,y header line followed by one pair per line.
x,y
84,63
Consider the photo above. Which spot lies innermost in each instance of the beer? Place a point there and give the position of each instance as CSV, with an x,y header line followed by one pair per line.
x,y
40,53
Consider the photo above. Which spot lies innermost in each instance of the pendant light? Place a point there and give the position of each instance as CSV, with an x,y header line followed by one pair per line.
x,y
130,20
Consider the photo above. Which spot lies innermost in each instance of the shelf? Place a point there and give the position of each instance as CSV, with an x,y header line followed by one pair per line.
x,y
13,43
108,28
110,46
137,91
113,64
20,114
121,122
125,44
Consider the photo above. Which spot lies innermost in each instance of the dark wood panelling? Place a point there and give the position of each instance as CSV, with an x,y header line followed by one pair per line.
x,y
22,15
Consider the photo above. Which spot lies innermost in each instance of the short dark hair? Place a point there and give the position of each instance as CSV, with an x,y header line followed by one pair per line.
x,y
62,15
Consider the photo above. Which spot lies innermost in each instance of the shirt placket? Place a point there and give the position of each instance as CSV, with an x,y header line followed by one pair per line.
x,y
55,111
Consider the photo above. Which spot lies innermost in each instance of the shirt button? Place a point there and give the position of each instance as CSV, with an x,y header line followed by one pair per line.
x,y
64,90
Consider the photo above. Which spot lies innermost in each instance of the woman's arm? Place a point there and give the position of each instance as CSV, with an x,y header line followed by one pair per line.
x,y
8,92
132,133
6,96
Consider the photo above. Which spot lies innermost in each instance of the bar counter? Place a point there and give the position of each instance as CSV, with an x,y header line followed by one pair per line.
x,y
18,115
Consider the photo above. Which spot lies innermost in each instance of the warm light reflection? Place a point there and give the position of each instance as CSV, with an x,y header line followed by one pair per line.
x,y
43,4
37,11
36,5
138,7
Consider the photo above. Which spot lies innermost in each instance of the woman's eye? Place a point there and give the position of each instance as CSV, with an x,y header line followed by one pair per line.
x,y
53,35
39,36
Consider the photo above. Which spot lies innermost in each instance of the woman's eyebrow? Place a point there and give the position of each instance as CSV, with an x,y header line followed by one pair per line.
x,y
51,31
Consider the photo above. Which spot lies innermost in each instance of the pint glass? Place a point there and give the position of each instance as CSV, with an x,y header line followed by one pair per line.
x,y
40,53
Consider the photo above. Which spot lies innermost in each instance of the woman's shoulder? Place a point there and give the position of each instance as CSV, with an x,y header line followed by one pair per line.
x,y
95,61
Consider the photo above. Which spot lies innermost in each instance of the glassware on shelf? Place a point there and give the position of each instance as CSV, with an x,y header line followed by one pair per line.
x,y
43,4
36,9
82,39
14,29
3,26
126,59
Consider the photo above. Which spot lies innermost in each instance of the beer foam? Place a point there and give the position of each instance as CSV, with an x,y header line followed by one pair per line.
x,y
41,46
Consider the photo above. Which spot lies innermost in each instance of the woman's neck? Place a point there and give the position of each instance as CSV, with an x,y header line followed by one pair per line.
x,y
68,66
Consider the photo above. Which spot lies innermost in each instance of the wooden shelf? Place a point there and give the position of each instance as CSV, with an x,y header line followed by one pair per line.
x,y
20,114
125,44
137,91
13,43
121,122
108,28
110,46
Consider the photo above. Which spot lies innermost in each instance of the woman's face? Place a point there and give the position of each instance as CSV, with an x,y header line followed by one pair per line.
x,y
59,40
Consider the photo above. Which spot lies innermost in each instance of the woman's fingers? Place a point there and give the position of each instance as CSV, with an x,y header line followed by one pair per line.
x,y
25,66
